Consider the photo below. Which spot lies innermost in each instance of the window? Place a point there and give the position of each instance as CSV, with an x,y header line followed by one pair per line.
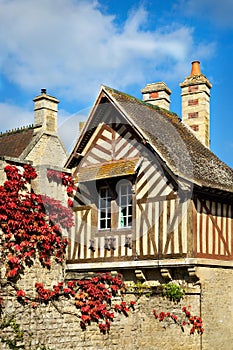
x,y
104,208
125,205
115,205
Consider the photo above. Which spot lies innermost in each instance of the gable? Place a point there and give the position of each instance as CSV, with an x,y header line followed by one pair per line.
x,y
113,142
46,149
112,149
112,134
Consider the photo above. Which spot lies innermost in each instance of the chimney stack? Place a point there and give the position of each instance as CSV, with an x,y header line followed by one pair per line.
x,y
45,112
195,95
157,94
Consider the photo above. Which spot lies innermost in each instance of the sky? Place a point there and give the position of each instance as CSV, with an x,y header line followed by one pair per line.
x,y
71,47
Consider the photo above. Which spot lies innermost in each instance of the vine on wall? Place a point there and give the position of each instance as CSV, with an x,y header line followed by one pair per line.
x,y
195,322
31,229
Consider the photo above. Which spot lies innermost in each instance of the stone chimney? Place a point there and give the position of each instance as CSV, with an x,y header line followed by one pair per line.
x,y
45,112
158,94
195,95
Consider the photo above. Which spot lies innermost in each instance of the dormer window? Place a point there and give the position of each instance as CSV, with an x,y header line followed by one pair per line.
x,y
125,204
104,208
115,205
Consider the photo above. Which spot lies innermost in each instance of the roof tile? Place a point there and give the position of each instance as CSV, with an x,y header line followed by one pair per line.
x,y
12,144
175,143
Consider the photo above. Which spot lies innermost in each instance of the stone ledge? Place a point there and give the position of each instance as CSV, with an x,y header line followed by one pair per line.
x,y
150,264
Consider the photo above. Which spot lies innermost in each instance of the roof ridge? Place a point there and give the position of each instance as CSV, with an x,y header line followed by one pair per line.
x,y
148,104
17,130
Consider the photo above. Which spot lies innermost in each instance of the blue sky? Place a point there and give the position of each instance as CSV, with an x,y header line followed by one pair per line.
x,y
71,47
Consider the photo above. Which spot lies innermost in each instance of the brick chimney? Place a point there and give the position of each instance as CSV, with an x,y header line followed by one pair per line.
x,y
45,112
158,94
195,96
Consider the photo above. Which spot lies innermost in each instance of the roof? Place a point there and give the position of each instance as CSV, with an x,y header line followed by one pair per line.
x,y
13,143
108,170
167,136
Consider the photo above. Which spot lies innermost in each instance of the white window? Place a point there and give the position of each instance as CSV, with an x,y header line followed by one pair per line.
x,y
115,205
104,208
125,204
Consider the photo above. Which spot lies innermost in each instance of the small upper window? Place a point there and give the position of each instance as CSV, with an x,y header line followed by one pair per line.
x,y
104,208
125,204
115,205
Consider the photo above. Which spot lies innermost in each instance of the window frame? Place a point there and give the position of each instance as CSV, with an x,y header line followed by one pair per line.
x,y
118,200
125,208
104,210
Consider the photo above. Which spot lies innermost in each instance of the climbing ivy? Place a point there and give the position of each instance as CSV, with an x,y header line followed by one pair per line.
x,y
31,230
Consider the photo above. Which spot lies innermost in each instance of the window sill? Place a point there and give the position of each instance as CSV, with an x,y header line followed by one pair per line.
x,y
116,231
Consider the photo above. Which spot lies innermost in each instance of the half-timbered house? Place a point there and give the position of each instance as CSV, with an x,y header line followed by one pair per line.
x,y
148,192
153,202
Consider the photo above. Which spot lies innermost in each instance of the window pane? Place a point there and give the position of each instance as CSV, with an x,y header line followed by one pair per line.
x,y
123,211
102,203
130,210
102,215
123,201
130,220
102,224
123,189
103,192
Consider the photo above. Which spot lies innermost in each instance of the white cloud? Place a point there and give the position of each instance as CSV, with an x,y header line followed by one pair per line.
x,y
219,12
14,115
74,47
69,126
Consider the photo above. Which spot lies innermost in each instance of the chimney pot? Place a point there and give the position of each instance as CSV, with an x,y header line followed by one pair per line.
x,y
43,91
195,68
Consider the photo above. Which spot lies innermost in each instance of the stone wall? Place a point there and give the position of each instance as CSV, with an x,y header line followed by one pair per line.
x,y
48,151
57,325
217,307
54,327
